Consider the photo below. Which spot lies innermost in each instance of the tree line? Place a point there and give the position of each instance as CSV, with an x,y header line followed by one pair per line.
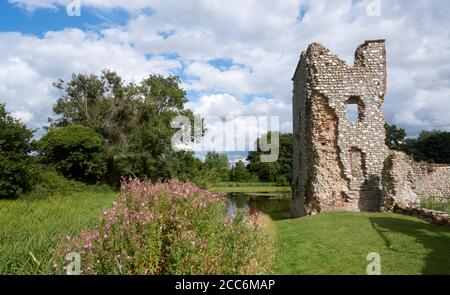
x,y
105,129
430,146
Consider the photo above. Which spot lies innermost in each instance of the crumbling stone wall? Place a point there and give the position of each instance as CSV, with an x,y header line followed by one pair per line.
x,y
337,162
406,182
341,164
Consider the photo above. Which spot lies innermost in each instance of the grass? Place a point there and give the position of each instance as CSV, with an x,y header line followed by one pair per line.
x,y
251,189
433,204
338,243
327,243
36,224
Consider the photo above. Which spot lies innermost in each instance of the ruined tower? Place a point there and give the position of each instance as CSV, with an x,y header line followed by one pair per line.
x,y
338,160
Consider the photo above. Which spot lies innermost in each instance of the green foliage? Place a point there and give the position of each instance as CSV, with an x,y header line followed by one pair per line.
x,y
395,136
48,183
15,175
217,167
243,187
171,228
433,204
239,172
436,147
76,151
103,103
35,225
134,119
431,146
279,171
245,184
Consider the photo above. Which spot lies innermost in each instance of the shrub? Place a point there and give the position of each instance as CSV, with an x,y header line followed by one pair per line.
x,y
48,183
15,175
77,152
171,228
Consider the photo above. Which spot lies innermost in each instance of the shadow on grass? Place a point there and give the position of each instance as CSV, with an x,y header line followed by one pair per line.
x,y
434,238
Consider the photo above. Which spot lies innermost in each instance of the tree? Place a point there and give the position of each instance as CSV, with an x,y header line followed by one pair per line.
x,y
280,170
15,138
431,146
218,165
184,165
395,137
103,104
436,147
77,152
239,172
134,119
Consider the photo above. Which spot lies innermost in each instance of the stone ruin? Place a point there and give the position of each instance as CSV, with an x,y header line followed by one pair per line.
x,y
340,162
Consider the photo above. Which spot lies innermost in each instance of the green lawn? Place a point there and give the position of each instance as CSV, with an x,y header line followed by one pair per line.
x,y
328,243
35,225
338,243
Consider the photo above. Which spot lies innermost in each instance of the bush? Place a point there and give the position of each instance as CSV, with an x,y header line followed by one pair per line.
x,y
15,176
48,183
171,228
77,152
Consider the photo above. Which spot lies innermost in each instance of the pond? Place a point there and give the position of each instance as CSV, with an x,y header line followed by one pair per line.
x,y
276,205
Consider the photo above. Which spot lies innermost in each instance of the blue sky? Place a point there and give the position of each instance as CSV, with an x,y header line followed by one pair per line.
x,y
234,58
13,18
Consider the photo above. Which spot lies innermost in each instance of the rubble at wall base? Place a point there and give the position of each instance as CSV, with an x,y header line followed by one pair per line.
x,y
430,216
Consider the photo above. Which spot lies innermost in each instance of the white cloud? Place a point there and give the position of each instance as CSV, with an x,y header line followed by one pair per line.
x,y
230,121
29,65
262,38
23,116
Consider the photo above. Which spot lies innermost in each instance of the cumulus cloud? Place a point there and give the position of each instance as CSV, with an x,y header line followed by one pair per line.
x,y
263,41
233,124
29,65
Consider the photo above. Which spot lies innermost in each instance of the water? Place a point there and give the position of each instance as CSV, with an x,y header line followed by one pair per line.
x,y
276,205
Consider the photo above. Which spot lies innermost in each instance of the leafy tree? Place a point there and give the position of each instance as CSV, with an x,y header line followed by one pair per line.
x,y
218,165
280,170
77,152
134,119
148,150
431,146
395,137
436,147
15,175
103,104
239,172
184,165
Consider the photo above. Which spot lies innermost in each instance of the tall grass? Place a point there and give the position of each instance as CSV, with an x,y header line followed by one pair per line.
x,y
433,204
32,225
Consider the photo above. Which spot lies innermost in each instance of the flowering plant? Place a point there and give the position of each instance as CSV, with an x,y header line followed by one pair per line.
x,y
170,228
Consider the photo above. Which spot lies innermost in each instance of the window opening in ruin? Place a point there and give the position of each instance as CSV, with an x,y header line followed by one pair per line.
x,y
357,163
355,109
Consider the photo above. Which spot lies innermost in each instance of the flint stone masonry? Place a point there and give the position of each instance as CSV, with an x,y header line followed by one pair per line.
x,y
338,163
343,164
406,182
